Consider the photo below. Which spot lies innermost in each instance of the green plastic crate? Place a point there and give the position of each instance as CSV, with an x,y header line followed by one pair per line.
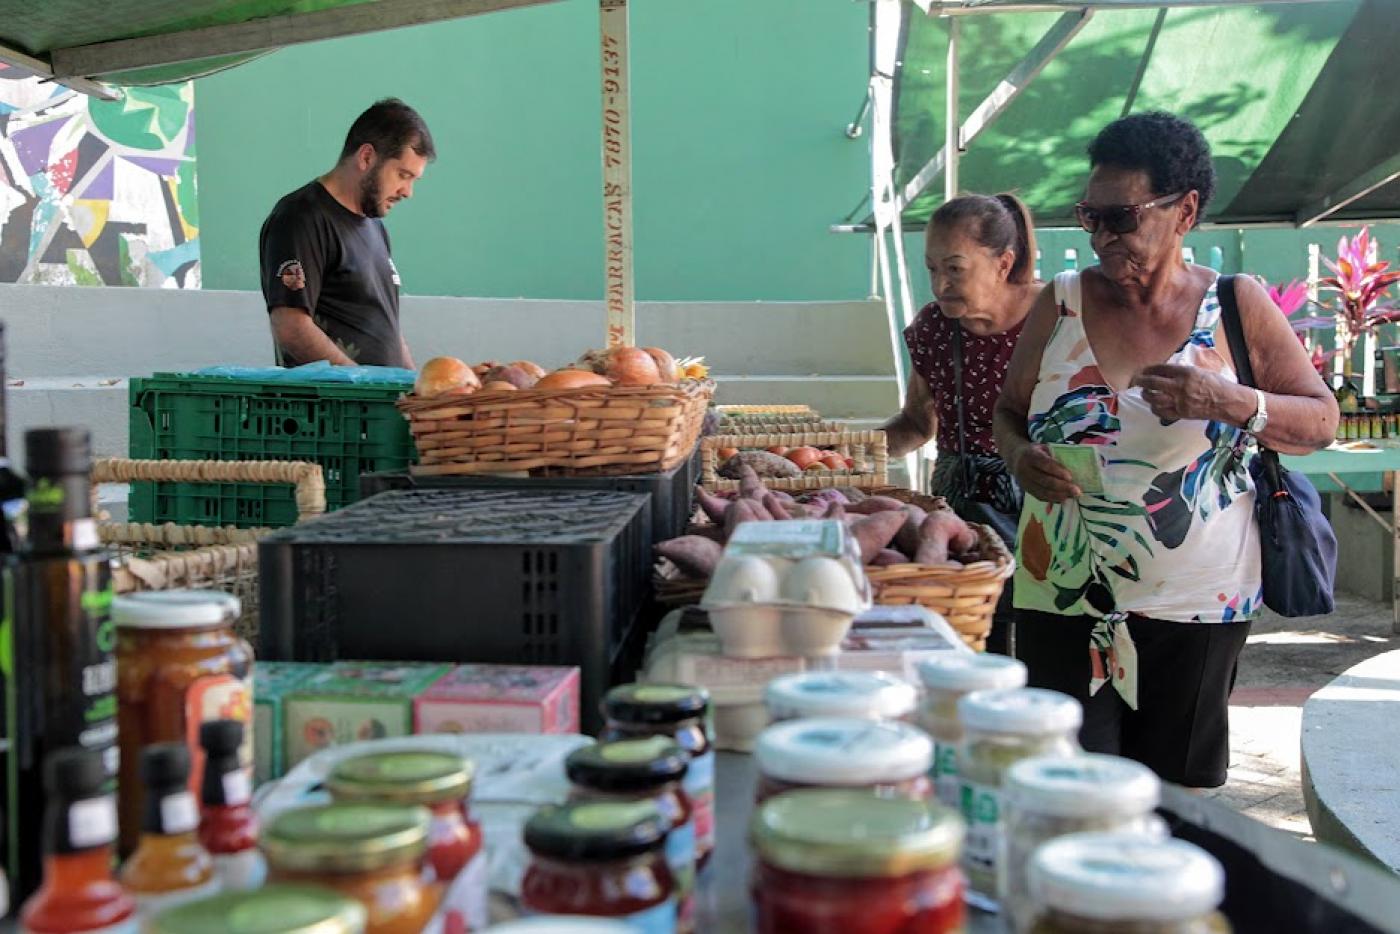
x,y
347,429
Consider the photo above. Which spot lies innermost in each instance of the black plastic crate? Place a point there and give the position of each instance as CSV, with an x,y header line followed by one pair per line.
x,y
672,493
538,577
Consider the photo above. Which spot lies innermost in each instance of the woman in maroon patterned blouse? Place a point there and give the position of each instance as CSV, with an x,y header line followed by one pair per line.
x,y
980,253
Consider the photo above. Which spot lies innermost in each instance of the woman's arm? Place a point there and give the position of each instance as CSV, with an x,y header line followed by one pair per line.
x,y
1302,412
912,428
1039,474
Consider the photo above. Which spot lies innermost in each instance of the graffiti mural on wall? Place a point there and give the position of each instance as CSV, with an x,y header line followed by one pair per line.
x,y
95,192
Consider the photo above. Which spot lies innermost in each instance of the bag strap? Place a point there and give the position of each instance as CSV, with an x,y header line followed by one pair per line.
x,y
1234,333
967,466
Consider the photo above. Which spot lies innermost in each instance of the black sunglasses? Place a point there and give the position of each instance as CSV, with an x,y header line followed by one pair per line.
x,y
1121,218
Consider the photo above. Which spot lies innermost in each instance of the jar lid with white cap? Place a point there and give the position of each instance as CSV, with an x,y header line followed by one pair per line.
x,y
869,695
1126,878
1089,785
175,609
843,751
1021,711
965,673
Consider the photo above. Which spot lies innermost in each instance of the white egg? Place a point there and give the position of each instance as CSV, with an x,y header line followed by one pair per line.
x,y
747,579
822,582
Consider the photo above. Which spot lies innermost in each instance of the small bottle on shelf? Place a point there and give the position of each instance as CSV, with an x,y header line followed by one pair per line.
x,y
78,893
228,829
169,866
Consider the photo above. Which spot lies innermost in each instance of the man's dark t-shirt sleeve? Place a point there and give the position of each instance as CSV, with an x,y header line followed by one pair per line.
x,y
293,259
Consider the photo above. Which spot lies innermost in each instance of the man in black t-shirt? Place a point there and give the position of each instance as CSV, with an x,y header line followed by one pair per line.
x,y
331,287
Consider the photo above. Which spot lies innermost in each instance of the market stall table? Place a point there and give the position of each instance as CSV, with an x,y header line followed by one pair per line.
x,y
1364,464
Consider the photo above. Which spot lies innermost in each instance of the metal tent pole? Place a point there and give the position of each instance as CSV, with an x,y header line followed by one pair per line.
x,y
617,174
952,133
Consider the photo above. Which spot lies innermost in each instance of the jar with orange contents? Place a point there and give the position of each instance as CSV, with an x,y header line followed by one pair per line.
x,y
374,853
441,782
179,664
832,861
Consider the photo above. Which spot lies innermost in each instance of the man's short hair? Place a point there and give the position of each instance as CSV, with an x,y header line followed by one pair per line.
x,y
390,126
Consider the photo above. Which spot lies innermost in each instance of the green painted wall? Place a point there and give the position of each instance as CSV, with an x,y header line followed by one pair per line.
x,y
740,161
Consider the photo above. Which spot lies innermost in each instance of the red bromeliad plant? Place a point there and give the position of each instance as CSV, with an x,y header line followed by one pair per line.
x,y
1292,299
1361,283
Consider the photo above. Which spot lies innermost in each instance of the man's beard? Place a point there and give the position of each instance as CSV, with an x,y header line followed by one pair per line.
x,y
371,197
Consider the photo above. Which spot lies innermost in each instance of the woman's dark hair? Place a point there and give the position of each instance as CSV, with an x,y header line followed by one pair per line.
x,y
1173,153
1000,223
390,126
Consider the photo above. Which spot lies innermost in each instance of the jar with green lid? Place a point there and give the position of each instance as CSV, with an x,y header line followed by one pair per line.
x,y
1054,796
274,909
650,769
680,712
601,859
1096,883
373,853
947,679
854,862
1000,728
442,783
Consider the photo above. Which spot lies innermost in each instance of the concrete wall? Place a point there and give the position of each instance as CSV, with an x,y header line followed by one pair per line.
x,y
70,351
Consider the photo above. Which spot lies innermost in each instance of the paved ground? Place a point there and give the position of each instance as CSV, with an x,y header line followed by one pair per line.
x,y
1285,661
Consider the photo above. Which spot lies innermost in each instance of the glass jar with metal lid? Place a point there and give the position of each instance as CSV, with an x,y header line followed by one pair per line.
x,y
179,664
854,862
442,783
1126,884
274,909
650,769
372,853
869,695
947,679
682,713
601,859
886,756
1000,728
1054,796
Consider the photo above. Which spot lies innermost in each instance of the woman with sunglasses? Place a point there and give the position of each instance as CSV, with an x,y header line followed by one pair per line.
x,y
980,253
1147,553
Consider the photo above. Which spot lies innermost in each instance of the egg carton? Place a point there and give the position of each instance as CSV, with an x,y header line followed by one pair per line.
x,y
786,588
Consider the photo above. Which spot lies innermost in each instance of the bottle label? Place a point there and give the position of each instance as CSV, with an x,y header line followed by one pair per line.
x,y
981,808
700,786
465,903
218,697
241,872
680,858
658,919
238,788
92,822
178,813
945,775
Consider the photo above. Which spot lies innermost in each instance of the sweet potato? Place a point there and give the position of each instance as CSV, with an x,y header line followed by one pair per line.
x,y
852,494
887,557
739,512
775,507
695,555
761,462
873,504
714,533
907,538
836,511
750,487
820,498
874,533
713,506
942,535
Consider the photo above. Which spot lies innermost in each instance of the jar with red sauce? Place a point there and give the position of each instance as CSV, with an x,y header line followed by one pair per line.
x,y
837,861
442,783
601,859
889,757
681,713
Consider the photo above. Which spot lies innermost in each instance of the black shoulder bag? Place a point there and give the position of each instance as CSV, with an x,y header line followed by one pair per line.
x,y
1299,548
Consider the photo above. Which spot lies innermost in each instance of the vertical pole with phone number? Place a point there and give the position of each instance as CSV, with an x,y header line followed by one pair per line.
x,y
617,174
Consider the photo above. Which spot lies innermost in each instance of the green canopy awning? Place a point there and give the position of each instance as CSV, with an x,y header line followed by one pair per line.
x,y
1297,100
136,42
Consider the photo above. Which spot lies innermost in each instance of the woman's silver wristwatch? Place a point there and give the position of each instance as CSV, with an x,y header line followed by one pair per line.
x,y
1261,415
